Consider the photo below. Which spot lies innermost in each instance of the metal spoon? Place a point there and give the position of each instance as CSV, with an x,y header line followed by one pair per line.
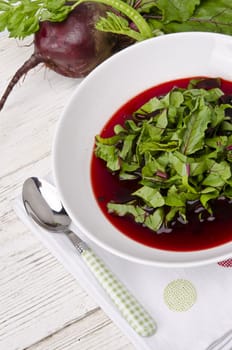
x,y
43,205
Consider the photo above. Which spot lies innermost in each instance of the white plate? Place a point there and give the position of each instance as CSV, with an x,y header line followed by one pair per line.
x,y
107,88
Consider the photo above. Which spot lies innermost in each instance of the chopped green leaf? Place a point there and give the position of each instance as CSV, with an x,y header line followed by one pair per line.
x,y
173,198
151,196
219,173
109,154
195,126
154,221
127,209
207,194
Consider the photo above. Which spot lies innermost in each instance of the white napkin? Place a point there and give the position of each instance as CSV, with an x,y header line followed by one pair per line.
x,y
192,306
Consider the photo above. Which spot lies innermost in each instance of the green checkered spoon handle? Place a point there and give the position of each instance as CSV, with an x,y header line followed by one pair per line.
x,y
129,307
43,205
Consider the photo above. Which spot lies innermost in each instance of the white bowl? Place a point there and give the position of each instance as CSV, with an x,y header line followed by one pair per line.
x,y
107,88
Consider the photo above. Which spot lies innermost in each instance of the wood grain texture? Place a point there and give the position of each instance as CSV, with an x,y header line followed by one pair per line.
x,y
88,334
41,305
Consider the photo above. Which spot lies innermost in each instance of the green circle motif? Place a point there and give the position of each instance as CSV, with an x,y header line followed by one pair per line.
x,y
180,295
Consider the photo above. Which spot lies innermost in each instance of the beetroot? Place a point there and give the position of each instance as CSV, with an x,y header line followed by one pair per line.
x,y
72,48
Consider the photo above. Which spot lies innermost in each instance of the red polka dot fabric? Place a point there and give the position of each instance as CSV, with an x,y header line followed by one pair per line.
x,y
225,263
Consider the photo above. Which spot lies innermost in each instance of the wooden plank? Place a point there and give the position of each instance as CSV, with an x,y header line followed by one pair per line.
x,y
95,332
38,298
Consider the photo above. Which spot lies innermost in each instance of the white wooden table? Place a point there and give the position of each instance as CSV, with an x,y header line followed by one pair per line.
x,y
41,306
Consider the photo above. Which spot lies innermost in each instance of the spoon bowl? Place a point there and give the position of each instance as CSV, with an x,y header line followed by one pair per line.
x,y
42,203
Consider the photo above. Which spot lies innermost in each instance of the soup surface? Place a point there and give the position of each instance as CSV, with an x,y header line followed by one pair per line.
x,y
194,235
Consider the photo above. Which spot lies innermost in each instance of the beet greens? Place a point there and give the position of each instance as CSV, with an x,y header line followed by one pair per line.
x,y
177,154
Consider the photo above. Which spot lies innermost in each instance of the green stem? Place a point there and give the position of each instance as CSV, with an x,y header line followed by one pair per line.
x,y
128,11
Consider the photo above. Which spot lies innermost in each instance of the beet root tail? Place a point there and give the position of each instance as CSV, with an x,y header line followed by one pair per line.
x,y
33,61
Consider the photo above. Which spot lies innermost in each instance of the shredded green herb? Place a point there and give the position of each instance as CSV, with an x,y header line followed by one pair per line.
x,y
178,147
